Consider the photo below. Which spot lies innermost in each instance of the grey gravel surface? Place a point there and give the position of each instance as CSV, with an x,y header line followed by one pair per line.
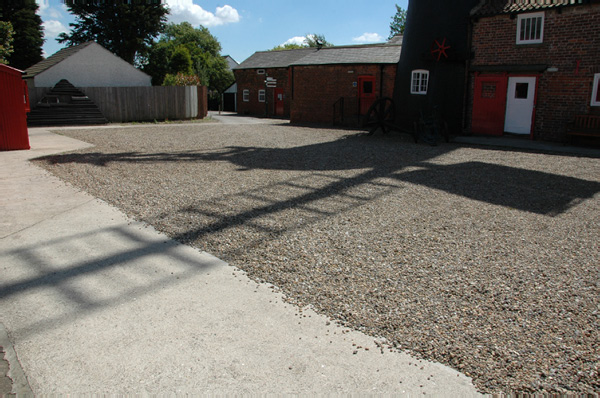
x,y
484,260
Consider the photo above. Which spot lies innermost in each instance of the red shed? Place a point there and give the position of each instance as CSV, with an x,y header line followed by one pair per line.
x,y
14,105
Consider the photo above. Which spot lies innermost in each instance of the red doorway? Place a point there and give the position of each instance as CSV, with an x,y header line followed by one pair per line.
x,y
278,101
366,93
489,104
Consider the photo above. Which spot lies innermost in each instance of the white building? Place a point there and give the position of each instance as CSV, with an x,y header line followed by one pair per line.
x,y
85,65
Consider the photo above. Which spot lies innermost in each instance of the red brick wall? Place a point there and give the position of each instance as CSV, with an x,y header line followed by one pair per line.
x,y
317,88
249,79
571,43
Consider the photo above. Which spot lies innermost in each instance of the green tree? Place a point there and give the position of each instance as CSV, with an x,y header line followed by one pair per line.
x,y
310,40
6,40
181,61
28,35
126,28
289,46
204,50
317,40
398,22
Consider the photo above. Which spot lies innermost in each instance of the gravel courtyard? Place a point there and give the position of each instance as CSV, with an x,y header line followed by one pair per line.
x,y
484,260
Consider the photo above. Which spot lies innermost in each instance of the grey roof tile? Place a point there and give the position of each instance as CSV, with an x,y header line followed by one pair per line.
x,y
368,54
274,59
54,59
387,53
494,7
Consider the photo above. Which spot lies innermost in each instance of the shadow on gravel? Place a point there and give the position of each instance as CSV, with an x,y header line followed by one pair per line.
x,y
492,308
513,187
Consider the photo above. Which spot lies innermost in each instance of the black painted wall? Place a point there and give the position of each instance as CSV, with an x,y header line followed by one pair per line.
x,y
429,21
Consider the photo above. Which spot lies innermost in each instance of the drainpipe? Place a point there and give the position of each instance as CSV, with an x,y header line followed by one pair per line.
x,y
467,69
381,80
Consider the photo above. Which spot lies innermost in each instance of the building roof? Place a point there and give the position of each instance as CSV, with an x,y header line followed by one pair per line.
x,y
231,63
386,53
274,59
494,7
367,54
54,59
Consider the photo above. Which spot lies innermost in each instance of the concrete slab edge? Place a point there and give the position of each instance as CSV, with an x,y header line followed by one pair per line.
x,y
20,386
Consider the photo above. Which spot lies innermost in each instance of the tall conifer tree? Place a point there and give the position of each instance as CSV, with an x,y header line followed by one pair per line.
x,y
28,36
126,28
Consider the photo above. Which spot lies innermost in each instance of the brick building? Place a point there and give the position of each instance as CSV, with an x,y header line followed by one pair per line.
x,y
536,64
326,85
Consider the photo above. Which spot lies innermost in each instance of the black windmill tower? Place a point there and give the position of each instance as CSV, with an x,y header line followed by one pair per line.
x,y
431,74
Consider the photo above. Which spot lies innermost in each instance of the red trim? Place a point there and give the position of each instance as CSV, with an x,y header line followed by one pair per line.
x,y
26,96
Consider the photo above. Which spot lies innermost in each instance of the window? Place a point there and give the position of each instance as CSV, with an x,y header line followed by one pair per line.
x,y
419,81
596,90
260,71
261,95
246,95
521,90
530,28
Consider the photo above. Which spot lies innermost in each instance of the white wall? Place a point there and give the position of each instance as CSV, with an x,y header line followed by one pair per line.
x,y
93,66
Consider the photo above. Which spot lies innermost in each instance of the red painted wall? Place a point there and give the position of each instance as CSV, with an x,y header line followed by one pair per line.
x,y
13,107
571,43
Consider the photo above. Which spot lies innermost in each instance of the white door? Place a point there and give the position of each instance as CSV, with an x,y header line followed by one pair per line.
x,y
519,105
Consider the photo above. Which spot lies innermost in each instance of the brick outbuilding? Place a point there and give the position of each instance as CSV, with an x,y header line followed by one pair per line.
x,y
536,64
317,85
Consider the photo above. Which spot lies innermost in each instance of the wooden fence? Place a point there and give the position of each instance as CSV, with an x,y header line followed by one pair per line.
x,y
139,104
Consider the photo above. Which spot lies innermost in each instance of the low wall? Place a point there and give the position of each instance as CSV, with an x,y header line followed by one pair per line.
x,y
139,104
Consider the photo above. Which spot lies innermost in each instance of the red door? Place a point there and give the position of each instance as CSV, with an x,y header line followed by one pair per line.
x,y
366,93
489,104
278,101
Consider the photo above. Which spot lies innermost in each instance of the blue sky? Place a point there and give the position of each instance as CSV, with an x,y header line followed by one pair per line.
x,y
245,26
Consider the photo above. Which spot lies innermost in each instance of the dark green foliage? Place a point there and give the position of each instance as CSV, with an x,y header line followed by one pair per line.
x,y
317,40
203,48
289,46
6,40
398,22
126,30
181,61
28,35
310,40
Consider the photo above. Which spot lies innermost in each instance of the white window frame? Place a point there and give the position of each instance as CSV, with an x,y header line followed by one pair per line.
x,y
260,72
419,81
246,95
595,90
262,95
522,19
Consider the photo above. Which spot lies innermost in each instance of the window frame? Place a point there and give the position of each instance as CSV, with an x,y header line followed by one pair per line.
x,y
531,15
596,91
418,89
262,93
260,71
246,95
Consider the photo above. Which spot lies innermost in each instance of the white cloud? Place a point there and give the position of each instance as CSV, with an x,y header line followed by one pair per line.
x,y
46,11
369,38
43,5
300,40
53,28
186,10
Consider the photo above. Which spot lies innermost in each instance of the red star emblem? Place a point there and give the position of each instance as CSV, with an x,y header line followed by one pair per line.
x,y
440,49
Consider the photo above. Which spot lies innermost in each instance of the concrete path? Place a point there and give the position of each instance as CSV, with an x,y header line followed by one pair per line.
x,y
94,302
234,118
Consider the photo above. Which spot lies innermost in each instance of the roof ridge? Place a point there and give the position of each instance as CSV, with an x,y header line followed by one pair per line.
x,y
55,58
